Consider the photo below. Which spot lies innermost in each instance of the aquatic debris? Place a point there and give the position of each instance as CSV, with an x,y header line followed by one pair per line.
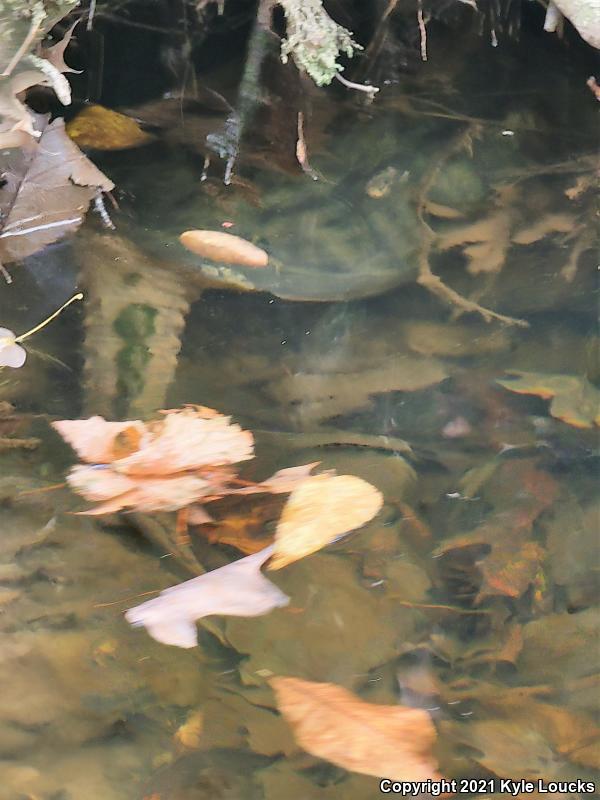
x,y
11,352
163,465
238,589
320,510
100,128
224,247
330,722
51,187
574,399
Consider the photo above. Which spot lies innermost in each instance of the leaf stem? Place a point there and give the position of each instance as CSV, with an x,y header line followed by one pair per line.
x,y
78,296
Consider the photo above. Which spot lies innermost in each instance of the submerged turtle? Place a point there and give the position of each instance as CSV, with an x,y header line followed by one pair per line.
x,y
356,230
350,234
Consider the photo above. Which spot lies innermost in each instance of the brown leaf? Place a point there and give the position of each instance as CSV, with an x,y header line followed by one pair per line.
x,y
48,190
239,589
56,53
246,528
224,247
322,508
332,723
513,560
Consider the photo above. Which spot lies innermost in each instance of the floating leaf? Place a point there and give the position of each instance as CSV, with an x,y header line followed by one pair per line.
x,y
94,439
100,128
47,192
574,399
165,465
322,508
224,247
332,723
238,589
187,440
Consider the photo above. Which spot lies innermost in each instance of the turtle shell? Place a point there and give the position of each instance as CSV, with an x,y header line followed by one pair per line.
x,y
351,233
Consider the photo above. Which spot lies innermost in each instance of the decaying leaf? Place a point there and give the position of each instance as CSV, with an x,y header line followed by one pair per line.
x,y
322,508
55,54
332,723
165,465
513,559
574,399
47,192
224,248
100,128
94,439
239,589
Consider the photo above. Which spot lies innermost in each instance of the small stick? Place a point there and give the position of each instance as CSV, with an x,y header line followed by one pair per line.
x,y
360,87
78,296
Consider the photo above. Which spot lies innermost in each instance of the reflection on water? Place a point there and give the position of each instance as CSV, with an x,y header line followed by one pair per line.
x,y
473,594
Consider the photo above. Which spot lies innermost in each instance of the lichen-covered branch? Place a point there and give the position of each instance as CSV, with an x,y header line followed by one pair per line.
x,y
314,40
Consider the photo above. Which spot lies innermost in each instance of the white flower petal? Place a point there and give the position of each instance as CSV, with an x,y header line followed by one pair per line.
x,y
12,356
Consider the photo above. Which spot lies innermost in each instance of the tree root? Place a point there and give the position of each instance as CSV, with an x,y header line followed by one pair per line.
x,y
436,286
426,277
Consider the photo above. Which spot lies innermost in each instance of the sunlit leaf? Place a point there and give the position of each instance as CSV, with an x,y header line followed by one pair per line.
x,y
332,723
322,508
98,128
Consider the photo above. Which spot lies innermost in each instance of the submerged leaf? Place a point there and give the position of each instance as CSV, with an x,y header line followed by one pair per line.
x,y
238,589
322,508
332,723
224,247
574,399
99,128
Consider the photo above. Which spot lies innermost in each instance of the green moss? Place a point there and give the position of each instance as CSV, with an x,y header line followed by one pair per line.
x,y
135,322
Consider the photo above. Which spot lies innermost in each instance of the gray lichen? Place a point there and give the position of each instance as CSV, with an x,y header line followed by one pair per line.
x,y
314,40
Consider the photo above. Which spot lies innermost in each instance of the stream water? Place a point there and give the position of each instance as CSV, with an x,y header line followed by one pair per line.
x,y
474,593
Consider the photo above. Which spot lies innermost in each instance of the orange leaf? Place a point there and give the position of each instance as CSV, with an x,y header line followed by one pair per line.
x,y
332,723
